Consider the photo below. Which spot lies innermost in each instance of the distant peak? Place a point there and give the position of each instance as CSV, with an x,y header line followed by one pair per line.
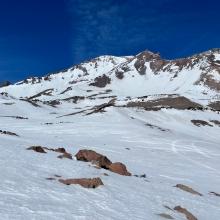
x,y
148,55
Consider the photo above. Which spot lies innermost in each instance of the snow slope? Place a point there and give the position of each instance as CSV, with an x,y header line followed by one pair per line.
x,y
164,144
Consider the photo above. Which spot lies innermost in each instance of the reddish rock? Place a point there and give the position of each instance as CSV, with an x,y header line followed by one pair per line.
x,y
119,168
65,155
38,149
184,211
84,182
91,156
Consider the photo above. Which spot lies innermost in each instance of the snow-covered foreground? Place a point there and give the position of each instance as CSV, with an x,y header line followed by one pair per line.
x,y
172,151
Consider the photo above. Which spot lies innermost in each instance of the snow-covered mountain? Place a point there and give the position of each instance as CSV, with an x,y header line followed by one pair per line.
x,y
158,117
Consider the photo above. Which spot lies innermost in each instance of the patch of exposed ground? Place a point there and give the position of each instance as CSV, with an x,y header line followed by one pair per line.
x,y
101,81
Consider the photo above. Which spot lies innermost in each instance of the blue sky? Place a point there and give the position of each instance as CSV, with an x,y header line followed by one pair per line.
x,y
40,36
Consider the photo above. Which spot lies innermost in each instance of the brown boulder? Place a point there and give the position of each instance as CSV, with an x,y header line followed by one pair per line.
x,y
38,149
91,156
119,168
84,182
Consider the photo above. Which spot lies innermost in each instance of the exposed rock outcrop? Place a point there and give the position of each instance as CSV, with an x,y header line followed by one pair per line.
x,y
102,161
84,182
184,211
91,156
8,133
101,81
37,149
119,168
179,102
200,123
188,189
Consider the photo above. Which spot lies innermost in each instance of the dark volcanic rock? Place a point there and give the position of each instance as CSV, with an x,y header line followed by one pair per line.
x,y
8,133
119,74
140,66
60,150
101,81
215,105
38,149
84,182
199,123
216,122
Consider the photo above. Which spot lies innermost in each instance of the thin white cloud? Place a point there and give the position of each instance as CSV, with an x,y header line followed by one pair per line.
x,y
102,26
